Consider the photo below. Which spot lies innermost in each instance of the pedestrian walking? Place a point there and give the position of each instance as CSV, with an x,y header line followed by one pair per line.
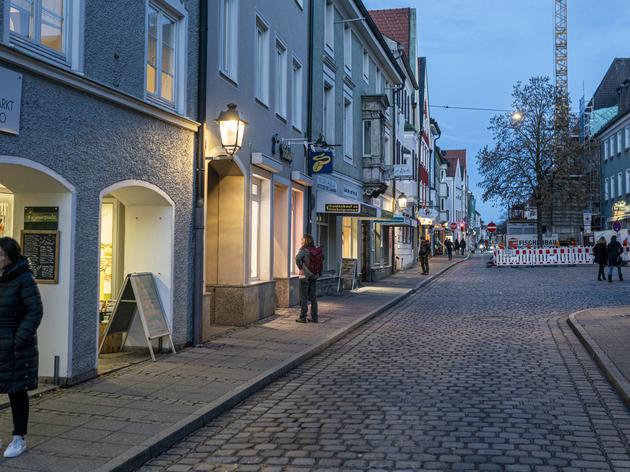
x,y
615,250
20,314
425,251
310,261
601,257
462,246
449,249
456,246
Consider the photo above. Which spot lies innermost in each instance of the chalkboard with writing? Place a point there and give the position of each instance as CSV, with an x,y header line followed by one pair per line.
x,y
139,296
42,249
348,271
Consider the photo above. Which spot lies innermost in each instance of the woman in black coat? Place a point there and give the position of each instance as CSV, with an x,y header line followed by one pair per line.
x,y
615,250
20,314
601,257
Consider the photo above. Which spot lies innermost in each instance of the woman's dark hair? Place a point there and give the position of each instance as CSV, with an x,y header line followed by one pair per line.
x,y
11,248
308,240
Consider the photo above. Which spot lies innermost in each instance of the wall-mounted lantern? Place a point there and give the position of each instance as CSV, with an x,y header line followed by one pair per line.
x,y
232,129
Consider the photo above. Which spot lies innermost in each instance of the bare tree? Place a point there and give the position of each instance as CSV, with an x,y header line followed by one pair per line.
x,y
528,155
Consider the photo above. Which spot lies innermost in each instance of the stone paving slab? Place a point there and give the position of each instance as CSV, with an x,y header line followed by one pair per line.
x,y
120,420
606,334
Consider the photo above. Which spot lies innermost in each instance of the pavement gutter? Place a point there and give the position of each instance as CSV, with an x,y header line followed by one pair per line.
x,y
154,446
605,363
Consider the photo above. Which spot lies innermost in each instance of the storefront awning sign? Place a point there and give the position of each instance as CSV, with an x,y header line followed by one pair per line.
x,y
320,160
399,220
331,203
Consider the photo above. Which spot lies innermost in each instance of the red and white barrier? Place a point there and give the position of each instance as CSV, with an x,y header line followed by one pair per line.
x,y
575,255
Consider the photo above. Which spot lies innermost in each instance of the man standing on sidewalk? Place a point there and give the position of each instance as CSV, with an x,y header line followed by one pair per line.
x,y
449,249
425,249
462,246
310,261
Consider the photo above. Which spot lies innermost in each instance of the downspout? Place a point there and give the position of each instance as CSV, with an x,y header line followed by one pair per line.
x,y
394,141
309,111
199,216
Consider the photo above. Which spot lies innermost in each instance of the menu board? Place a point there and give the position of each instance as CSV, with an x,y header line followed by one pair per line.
x,y
41,247
139,296
348,271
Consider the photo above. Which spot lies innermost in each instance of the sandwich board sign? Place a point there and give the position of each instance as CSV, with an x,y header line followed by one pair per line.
x,y
139,297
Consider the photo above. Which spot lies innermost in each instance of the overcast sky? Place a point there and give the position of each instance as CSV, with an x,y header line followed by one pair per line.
x,y
478,49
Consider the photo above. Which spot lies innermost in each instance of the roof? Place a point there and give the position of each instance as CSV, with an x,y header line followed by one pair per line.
x,y
398,24
601,117
606,94
452,156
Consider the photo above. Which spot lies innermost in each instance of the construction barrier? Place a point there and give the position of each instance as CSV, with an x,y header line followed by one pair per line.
x,y
576,255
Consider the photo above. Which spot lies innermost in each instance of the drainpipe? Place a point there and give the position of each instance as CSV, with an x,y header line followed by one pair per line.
x,y
199,215
309,111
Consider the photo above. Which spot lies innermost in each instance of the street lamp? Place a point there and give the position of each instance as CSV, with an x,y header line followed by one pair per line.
x,y
517,117
232,128
402,201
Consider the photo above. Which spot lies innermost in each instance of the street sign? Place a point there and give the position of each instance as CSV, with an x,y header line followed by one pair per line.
x,y
491,228
453,226
616,226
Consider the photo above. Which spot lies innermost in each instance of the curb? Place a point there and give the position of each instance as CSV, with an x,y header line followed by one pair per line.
x,y
608,367
154,446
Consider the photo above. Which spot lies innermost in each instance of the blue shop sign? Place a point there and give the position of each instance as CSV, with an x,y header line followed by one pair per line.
x,y
320,160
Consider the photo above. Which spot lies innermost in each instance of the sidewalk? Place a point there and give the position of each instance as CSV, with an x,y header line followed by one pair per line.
x,y
120,420
605,332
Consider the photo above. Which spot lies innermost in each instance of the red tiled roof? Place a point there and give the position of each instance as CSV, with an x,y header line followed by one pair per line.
x,y
394,23
452,156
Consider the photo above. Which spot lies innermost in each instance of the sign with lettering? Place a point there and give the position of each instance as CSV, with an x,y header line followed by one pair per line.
x,y
326,184
41,218
351,192
342,207
348,272
320,160
41,247
403,171
139,296
10,101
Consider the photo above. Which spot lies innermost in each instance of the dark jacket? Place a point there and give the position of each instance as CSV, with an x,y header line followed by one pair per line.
x,y
601,253
615,250
449,245
456,245
20,314
425,249
462,244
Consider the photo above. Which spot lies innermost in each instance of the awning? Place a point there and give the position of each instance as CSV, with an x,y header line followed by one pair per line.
x,y
399,220
332,204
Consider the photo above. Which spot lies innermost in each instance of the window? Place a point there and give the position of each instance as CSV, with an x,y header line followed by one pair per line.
x,y
366,66
261,66
619,145
255,228
612,187
348,131
329,113
612,146
281,79
162,55
296,99
619,184
378,81
48,28
229,38
606,193
627,180
367,138
347,49
350,238
627,137
329,28
606,149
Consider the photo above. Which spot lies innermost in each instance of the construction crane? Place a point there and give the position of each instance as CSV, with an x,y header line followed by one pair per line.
x,y
561,64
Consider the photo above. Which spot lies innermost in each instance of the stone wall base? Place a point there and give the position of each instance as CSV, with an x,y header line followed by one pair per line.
x,y
238,305
288,291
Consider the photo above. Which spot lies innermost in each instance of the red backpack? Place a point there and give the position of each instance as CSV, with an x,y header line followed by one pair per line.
x,y
315,260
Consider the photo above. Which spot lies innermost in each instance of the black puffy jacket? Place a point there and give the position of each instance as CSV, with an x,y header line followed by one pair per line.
x,y
20,314
615,250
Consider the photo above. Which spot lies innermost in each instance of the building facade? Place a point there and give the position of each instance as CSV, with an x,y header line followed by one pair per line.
x,y
97,151
456,202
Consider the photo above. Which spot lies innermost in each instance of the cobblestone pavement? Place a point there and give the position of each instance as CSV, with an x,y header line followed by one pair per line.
x,y
478,371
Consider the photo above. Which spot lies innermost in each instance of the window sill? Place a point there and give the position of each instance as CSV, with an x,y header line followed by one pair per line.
x,y
261,103
281,118
227,78
296,129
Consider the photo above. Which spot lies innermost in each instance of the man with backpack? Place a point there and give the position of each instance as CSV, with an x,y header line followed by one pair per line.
x,y
449,249
310,261
425,252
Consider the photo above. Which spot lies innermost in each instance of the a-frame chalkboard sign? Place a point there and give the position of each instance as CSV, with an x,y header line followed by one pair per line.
x,y
139,296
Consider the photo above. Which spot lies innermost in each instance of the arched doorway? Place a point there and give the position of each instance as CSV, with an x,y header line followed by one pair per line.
x,y
136,235
35,200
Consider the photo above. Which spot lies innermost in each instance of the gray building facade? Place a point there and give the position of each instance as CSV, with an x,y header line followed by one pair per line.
x,y
105,142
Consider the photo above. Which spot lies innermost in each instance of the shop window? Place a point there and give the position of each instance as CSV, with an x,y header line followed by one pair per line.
x,y
350,238
297,224
255,229
6,213
323,230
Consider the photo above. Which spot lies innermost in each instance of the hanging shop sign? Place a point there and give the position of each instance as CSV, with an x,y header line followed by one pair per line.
x,y
320,160
403,171
139,297
10,101
41,247
42,218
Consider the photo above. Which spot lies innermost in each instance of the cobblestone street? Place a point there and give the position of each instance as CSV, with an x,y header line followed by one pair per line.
x,y
477,371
